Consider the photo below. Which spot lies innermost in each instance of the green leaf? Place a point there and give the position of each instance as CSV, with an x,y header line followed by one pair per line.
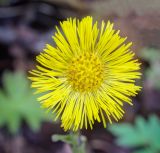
x,y
15,85
143,134
76,141
154,130
152,73
64,138
150,54
127,135
145,150
18,103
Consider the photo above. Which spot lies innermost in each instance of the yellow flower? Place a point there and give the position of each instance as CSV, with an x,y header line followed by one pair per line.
x,y
87,75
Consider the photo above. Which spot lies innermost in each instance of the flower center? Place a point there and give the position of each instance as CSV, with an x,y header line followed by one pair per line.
x,y
85,72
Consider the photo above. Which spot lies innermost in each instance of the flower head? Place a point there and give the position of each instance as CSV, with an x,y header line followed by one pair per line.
x,y
87,75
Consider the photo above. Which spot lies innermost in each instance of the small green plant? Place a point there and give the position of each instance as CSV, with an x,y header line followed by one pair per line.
x,y
18,103
153,72
76,141
144,135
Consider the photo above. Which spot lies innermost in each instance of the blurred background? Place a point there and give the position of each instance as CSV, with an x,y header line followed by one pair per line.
x,y
26,26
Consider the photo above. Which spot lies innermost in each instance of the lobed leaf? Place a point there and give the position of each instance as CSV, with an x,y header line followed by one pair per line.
x,y
143,134
18,103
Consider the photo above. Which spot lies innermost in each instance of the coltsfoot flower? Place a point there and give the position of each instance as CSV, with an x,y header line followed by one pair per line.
x,y
88,75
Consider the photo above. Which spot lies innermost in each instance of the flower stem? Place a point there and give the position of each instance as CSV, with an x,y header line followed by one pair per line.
x,y
79,143
75,140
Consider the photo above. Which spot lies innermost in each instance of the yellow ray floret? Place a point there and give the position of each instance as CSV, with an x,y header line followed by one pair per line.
x,y
87,75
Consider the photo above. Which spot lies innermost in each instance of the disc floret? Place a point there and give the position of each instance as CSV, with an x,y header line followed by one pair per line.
x,y
85,72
